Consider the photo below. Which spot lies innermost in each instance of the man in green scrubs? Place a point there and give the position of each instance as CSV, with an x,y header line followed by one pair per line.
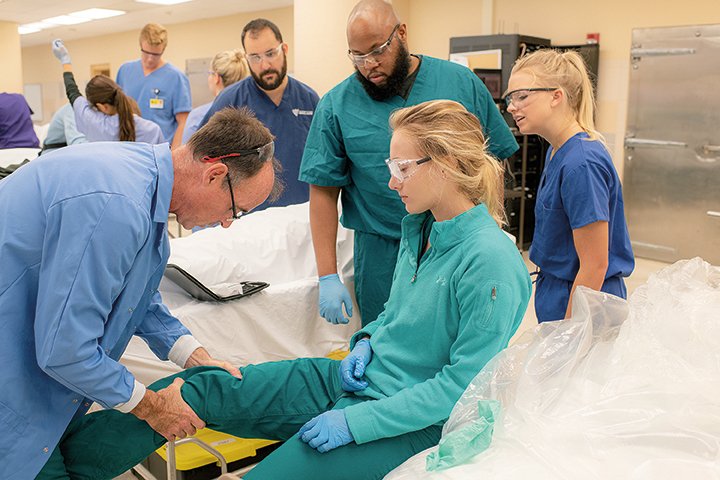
x,y
349,140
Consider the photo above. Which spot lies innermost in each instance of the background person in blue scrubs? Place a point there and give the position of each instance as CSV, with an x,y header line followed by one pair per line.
x,y
581,236
107,114
161,90
283,104
349,141
62,130
84,244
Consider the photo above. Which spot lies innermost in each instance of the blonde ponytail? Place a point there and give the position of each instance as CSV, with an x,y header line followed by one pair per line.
x,y
452,137
566,70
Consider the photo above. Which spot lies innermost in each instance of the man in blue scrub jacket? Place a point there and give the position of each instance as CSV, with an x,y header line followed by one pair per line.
x,y
161,90
349,140
283,104
82,257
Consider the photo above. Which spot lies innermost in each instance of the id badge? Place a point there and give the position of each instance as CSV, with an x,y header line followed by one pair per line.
x,y
157,103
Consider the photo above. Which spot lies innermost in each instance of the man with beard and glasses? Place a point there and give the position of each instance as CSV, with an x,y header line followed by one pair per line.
x,y
349,141
283,104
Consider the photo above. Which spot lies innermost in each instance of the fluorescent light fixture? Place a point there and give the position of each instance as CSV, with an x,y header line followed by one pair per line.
x,y
30,28
163,2
65,20
96,13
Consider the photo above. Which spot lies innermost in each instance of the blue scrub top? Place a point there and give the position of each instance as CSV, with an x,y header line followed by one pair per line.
x,y
16,127
160,95
349,141
99,127
192,124
83,242
62,129
579,186
289,122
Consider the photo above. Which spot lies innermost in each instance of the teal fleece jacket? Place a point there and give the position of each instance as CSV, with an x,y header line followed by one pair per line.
x,y
442,323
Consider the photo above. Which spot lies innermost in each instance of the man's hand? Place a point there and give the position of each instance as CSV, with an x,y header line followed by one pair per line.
x,y
333,295
167,413
201,357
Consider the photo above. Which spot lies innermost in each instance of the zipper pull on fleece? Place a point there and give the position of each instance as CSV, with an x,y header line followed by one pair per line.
x,y
493,294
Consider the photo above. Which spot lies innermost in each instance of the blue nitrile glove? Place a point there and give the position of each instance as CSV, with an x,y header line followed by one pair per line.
x,y
327,431
333,295
352,367
59,50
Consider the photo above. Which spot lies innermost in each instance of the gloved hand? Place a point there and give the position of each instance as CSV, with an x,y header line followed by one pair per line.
x,y
333,295
326,431
352,367
60,51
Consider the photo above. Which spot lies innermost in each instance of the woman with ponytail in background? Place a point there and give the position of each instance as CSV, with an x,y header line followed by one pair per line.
x,y
226,68
107,114
581,236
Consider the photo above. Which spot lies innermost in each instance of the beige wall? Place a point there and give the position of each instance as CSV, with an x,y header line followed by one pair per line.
x,y
11,79
200,39
315,31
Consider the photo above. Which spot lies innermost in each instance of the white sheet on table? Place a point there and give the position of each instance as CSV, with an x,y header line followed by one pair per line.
x,y
280,322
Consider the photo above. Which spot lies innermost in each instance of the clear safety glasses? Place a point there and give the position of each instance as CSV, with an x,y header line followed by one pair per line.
x,y
401,170
270,55
372,57
264,153
519,97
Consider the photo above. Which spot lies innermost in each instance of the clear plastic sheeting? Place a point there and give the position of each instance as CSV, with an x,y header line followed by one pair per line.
x,y
625,390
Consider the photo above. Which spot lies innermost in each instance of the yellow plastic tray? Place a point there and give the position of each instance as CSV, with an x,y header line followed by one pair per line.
x,y
189,456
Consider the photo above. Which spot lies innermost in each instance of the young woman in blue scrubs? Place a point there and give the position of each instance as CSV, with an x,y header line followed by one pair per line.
x,y
107,114
581,237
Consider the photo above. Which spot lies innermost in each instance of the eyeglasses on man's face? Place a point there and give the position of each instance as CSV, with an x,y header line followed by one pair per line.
x,y
519,97
269,55
402,169
361,60
264,153
151,54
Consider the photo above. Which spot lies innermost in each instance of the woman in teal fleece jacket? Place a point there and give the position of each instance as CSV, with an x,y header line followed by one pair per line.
x,y
459,293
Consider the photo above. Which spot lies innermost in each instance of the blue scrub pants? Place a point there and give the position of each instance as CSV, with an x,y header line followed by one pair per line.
x,y
552,295
273,400
374,261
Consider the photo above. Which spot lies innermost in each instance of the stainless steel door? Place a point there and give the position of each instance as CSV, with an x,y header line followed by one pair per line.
x,y
672,144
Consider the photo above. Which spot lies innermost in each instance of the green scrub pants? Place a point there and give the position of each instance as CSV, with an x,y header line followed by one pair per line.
x,y
273,400
374,261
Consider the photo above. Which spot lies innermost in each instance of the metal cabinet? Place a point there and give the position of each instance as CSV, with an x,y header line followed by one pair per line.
x,y
672,144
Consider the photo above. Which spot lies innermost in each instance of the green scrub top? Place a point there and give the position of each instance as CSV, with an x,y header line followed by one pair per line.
x,y
349,140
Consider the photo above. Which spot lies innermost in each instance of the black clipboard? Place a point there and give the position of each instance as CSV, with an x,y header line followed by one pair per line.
x,y
196,289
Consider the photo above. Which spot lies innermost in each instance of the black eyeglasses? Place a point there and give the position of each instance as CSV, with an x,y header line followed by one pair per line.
x,y
361,60
520,95
264,153
152,54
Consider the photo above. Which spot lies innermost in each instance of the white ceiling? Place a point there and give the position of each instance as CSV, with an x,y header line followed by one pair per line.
x,y
138,14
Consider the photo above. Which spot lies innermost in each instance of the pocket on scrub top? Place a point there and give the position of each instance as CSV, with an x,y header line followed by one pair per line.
x,y
554,233
12,424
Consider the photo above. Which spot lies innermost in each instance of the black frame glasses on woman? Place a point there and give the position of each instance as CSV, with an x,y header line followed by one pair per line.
x,y
264,153
510,97
361,60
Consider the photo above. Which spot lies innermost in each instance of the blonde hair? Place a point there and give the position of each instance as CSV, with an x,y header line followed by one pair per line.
x,y
566,70
230,66
453,138
154,34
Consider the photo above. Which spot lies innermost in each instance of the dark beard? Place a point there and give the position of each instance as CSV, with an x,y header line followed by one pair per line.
x,y
271,86
394,82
